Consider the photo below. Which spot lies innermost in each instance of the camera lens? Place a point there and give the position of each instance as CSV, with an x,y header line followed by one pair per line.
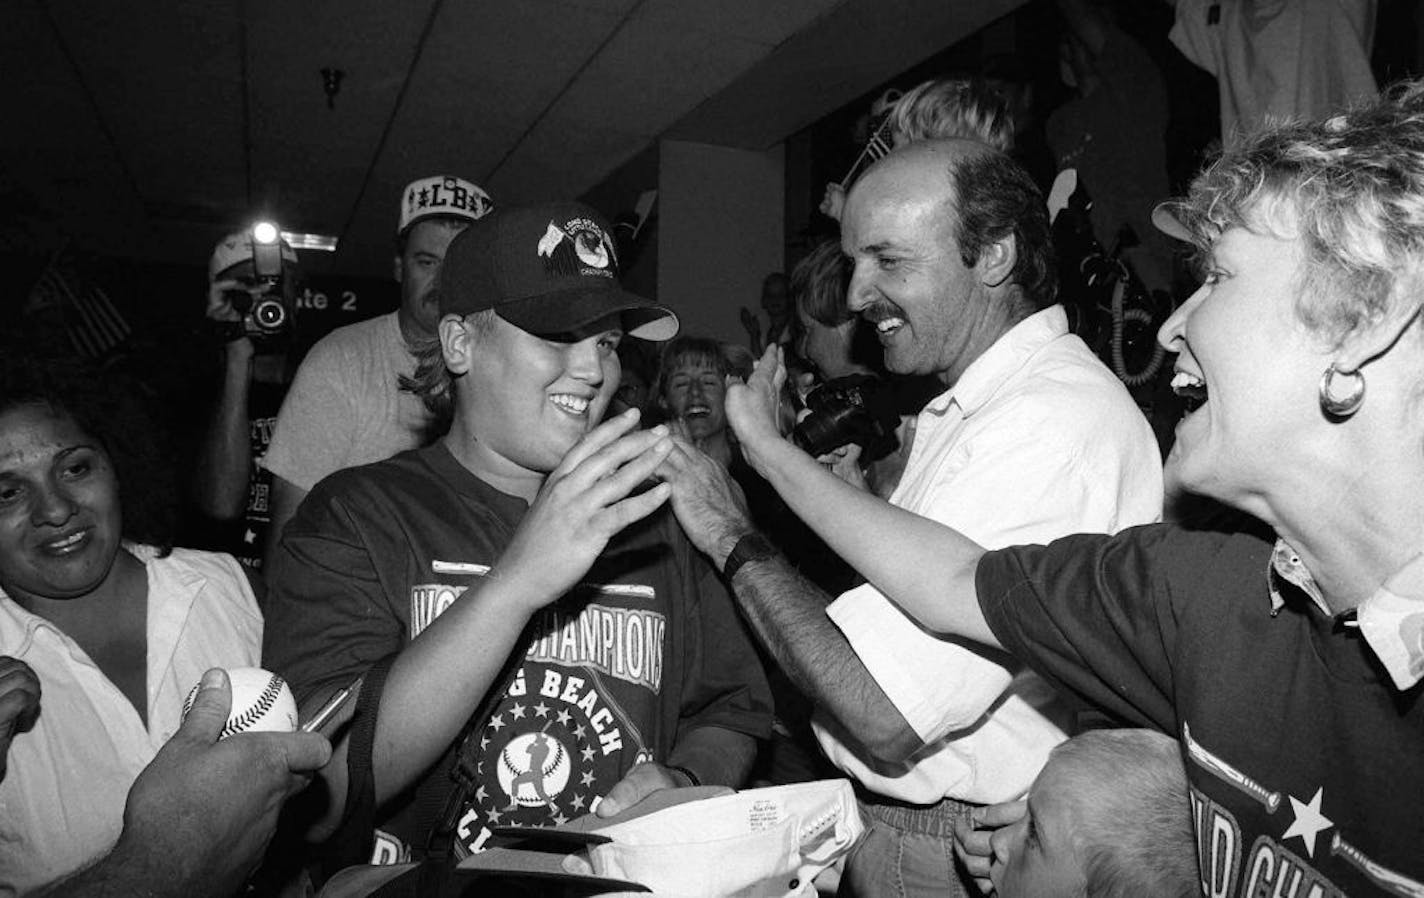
x,y
269,314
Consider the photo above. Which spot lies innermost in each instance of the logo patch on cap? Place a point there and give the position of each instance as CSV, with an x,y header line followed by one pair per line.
x,y
579,248
442,195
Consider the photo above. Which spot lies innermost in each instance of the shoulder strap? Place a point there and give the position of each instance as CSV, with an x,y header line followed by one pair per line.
x,y
441,841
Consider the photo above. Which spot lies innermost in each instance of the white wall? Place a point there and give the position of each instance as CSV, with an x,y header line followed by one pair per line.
x,y
720,231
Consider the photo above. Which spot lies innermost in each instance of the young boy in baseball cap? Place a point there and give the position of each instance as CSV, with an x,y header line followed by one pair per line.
x,y
522,616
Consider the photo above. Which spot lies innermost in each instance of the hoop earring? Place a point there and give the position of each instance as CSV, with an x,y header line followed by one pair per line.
x,y
1341,406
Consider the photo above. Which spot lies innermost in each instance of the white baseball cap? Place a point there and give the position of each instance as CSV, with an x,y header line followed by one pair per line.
x,y
442,195
236,248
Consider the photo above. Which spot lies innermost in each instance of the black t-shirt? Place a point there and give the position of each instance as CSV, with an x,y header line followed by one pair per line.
x,y
647,648
1306,765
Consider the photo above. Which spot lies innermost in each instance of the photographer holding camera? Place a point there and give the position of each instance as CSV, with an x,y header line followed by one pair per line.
x,y
253,277
1032,437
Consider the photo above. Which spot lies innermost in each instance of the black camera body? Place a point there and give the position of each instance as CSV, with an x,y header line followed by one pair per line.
x,y
857,408
267,306
264,315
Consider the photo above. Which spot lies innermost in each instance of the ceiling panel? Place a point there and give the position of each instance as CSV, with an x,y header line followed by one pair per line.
x,y
142,145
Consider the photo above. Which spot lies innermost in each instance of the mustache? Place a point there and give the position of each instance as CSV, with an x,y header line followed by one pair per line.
x,y
881,310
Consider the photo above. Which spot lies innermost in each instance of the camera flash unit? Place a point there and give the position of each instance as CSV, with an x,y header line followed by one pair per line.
x,y
264,232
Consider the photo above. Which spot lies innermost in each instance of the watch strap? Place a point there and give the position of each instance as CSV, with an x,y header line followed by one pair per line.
x,y
751,547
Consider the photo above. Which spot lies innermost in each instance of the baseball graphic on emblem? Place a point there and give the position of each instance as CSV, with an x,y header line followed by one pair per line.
x,y
588,244
261,702
533,769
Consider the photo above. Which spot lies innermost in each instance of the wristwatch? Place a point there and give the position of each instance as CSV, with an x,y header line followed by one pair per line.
x,y
751,547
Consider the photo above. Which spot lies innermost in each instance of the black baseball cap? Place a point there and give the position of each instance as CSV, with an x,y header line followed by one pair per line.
x,y
550,269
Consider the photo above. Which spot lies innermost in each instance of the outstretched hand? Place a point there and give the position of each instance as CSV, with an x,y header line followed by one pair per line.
x,y
587,499
752,325
708,503
200,815
754,408
833,201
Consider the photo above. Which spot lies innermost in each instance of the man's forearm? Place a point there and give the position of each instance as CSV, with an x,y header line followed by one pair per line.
x,y
788,613
923,566
134,871
224,464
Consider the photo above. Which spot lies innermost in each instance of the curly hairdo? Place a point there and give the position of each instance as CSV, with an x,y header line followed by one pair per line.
x,y
994,197
1351,187
113,410
954,107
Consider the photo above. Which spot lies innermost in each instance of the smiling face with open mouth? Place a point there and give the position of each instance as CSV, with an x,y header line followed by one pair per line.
x,y
60,523
529,400
1248,368
695,392
932,312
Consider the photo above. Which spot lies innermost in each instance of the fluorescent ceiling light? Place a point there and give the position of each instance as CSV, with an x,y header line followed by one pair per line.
x,y
323,242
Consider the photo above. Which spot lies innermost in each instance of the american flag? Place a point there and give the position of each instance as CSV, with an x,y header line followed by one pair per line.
x,y
93,325
877,147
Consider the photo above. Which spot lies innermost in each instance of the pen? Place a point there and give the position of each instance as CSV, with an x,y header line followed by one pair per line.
x,y
333,704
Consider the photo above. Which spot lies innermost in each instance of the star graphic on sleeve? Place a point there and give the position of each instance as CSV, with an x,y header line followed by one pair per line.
x,y
517,712
541,709
588,778
587,753
481,794
497,722
1309,822
579,731
484,742
563,717
560,819
494,815
577,802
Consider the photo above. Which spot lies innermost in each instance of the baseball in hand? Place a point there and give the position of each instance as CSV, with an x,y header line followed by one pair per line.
x,y
261,702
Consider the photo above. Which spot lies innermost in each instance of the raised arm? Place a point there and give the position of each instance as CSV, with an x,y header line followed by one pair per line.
x,y
224,463
326,582
786,610
924,567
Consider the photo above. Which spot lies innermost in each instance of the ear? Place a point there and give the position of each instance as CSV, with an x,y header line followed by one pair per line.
x,y
398,268
457,343
1375,339
997,260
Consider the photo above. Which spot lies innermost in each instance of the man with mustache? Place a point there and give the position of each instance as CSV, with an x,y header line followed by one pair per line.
x,y
1032,438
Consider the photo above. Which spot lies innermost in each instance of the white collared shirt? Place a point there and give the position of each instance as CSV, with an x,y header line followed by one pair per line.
x,y
62,799
1036,440
1391,620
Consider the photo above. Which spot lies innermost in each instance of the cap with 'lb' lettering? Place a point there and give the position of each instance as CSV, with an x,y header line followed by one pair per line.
x,y
442,196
